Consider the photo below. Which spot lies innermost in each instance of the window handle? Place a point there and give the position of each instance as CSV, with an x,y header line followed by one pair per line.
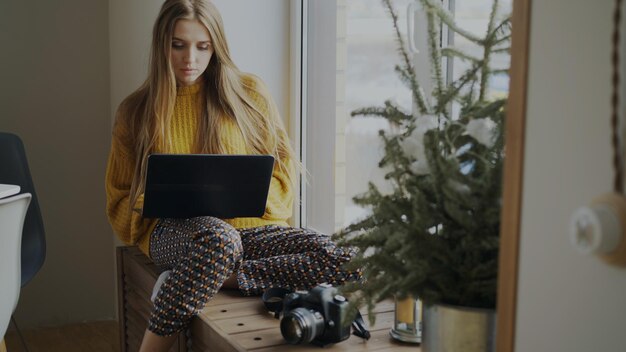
x,y
411,11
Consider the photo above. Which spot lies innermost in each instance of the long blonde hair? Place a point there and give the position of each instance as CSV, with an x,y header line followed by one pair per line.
x,y
228,94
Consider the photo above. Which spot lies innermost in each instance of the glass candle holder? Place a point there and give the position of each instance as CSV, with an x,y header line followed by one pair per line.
x,y
407,326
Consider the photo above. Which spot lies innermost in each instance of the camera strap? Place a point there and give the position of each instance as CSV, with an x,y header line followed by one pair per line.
x,y
273,301
358,327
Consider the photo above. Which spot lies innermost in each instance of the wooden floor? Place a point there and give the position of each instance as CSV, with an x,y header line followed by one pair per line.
x,y
85,337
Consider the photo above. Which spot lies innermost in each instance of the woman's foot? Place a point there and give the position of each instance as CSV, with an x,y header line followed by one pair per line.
x,y
154,343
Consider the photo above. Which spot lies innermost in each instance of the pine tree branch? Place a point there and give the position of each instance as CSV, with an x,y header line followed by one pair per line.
x,y
435,57
499,71
416,90
447,18
503,27
390,112
454,52
408,70
488,44
456,86
502,50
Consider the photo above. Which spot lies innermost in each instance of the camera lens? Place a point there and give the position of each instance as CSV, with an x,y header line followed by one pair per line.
x,y
301,326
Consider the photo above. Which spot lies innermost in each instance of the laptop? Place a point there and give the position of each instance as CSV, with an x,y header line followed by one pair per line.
x,y
222,186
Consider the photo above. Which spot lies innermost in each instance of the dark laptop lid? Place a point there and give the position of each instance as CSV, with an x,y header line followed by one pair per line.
x,y
223,186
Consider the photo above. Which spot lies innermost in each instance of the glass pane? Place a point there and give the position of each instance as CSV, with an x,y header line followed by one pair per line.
x,y
473,16
370,80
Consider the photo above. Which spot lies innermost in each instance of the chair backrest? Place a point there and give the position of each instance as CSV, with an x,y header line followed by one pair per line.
x,y
12,213
14,170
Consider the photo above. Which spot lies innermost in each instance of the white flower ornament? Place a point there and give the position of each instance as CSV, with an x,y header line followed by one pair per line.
x,y
482,130
413,145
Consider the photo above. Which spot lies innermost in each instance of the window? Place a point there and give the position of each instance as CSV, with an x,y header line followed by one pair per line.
x,y
349,58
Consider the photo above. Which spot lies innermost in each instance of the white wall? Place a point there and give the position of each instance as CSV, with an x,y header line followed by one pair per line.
x,y
567,302
130,31
258,37
54,69
257,32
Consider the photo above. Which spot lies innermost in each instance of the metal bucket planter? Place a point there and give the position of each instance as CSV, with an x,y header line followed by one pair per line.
x,y
458,329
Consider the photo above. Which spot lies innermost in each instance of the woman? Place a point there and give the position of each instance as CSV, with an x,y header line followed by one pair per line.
x,y
195,100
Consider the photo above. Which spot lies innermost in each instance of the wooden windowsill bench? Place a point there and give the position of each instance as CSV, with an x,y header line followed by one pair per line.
x,y
229,322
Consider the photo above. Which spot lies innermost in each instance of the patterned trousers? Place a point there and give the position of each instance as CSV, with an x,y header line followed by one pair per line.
x,y
203,252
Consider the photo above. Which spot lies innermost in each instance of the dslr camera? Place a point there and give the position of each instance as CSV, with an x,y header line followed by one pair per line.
x,y
315,316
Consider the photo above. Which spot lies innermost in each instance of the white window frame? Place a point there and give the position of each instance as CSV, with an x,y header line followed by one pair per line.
x,y
297,78
318,112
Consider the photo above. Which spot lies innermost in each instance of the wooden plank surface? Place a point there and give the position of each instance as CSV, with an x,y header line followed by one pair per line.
x,y
243,324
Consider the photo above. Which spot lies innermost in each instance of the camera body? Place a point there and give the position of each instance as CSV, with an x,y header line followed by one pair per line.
x,y
315,316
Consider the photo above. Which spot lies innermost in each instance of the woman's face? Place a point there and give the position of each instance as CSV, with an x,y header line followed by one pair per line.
x,y
191,51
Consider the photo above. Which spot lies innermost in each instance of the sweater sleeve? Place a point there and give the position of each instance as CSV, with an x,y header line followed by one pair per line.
x,y
128,225
280,197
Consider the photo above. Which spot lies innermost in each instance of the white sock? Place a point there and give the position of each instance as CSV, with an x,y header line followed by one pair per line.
x,y
159,282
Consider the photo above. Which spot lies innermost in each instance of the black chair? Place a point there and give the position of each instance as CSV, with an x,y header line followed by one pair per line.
x,y
14,170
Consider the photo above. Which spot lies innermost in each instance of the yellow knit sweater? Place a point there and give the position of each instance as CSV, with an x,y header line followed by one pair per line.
x,y
130,227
